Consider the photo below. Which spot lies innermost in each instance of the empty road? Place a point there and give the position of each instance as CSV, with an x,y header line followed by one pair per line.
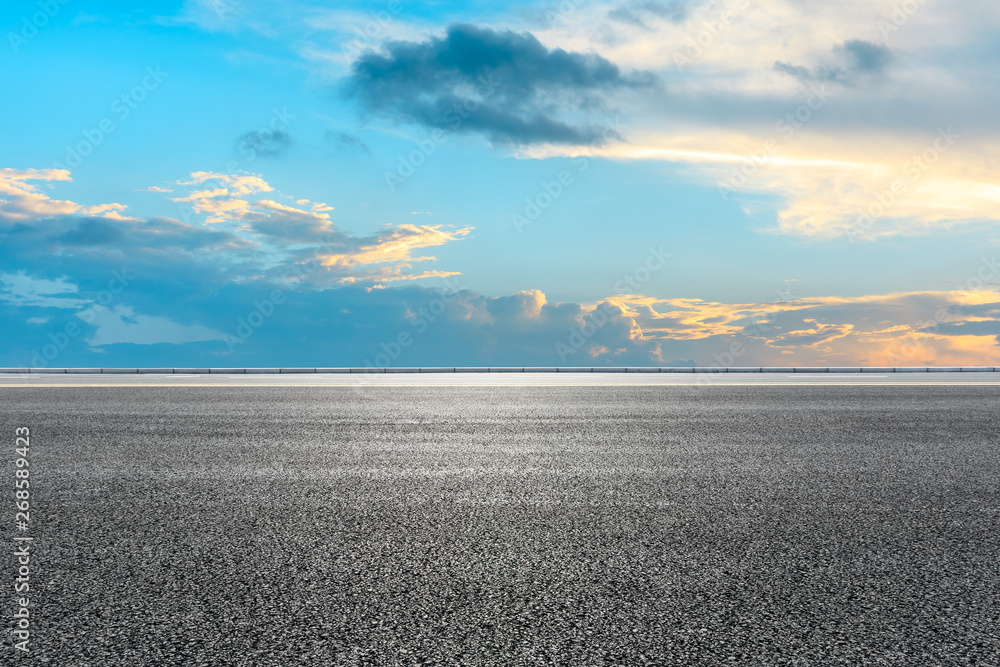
x,y
533,520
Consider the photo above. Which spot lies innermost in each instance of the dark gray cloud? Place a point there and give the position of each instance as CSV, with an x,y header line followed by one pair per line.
x,y
343,141
507,86
264,143
639,12
855,61
867,56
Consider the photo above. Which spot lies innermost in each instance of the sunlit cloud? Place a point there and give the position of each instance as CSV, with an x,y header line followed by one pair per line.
x,y
22,199
395,246
840,113
899,329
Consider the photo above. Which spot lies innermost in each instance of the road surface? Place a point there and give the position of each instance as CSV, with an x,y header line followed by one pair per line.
x,y
569,520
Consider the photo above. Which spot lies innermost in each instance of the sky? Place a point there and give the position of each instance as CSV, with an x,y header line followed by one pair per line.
x,y
255,183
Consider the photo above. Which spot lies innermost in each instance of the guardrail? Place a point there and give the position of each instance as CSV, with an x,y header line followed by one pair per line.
x,y
516,369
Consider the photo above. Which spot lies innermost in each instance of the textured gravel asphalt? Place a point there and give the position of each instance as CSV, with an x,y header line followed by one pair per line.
x,y
666,525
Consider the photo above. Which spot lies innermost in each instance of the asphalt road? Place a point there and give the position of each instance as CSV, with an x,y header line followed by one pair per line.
x,y
505,524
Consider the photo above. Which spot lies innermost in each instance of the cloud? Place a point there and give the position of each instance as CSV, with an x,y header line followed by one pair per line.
x,y
383,257
900,329
20,199
823,138
861,61
225,200
830,186
867,56
332,314
395,246
343,141
639,12
121,324
286,223
264,143
507,86
269,238
352,325
230,184
21,289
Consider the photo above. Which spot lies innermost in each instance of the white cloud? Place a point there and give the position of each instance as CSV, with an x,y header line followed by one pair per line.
x,y
22,200
21,289
123,325
725,102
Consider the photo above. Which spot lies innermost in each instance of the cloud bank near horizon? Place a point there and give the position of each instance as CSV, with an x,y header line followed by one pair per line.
x,y
110,293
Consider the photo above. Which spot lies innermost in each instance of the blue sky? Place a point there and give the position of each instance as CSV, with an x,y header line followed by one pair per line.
x,y
258,183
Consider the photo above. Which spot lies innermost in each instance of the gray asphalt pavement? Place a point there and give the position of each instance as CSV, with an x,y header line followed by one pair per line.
x,y
573,524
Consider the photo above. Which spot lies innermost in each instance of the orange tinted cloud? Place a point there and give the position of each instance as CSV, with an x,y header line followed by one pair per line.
x,y
900,329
